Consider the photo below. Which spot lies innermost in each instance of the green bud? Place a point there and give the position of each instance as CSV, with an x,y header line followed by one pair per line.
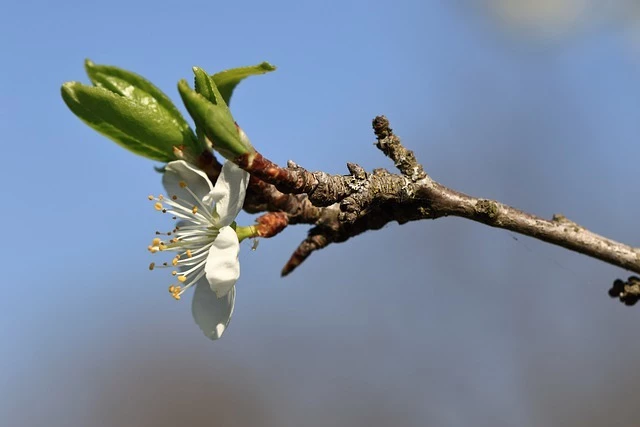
x,y
228,80
211,114
131,111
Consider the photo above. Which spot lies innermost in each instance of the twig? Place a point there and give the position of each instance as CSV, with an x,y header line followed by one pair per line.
x,y
361,201
391,146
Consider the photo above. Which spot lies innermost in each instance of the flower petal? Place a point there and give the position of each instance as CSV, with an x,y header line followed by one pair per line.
x,y
212,314
180,171
229,192
223,268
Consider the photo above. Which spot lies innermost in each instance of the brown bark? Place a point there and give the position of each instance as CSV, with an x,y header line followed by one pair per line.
x,y
342,206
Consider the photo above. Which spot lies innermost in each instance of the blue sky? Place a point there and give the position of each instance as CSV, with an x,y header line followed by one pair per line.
x,y
439,322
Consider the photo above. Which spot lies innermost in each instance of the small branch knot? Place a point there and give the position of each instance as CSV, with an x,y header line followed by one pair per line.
x,y
357,171
349,210
487,209
391,146
381,127
627,292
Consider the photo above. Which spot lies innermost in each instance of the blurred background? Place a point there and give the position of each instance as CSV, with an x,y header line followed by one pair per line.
x,y
440,323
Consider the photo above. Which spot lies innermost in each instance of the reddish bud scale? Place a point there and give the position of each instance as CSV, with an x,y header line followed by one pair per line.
x,y
272,223
286,180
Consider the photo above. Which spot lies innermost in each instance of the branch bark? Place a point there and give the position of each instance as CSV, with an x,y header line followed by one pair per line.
x,y
343,206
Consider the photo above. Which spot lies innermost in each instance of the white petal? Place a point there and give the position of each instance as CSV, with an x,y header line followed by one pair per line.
x,y
229,192
211,313
197,181
223,268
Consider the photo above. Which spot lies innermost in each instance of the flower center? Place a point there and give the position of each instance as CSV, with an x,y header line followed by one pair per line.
x,y
191,238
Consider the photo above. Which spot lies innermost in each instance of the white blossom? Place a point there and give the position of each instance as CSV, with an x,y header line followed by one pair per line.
x,y
204,239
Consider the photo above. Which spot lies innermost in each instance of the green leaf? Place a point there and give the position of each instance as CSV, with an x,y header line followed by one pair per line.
x,y
228,80
214,119
132,125
140,90
205,86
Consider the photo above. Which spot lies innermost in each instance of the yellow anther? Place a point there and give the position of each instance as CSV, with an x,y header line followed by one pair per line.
x,y
174,261
150,197
161,197
156,241
182,184
175,291
174,273
182,279
158,206
152,266
189,253
194,210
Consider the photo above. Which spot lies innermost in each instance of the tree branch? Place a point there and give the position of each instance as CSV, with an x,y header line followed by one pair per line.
x,y
343,206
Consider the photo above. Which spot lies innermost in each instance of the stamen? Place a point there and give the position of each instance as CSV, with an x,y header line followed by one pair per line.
x,y
192,282
150,197
184,210
209,215
192,240
175,291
